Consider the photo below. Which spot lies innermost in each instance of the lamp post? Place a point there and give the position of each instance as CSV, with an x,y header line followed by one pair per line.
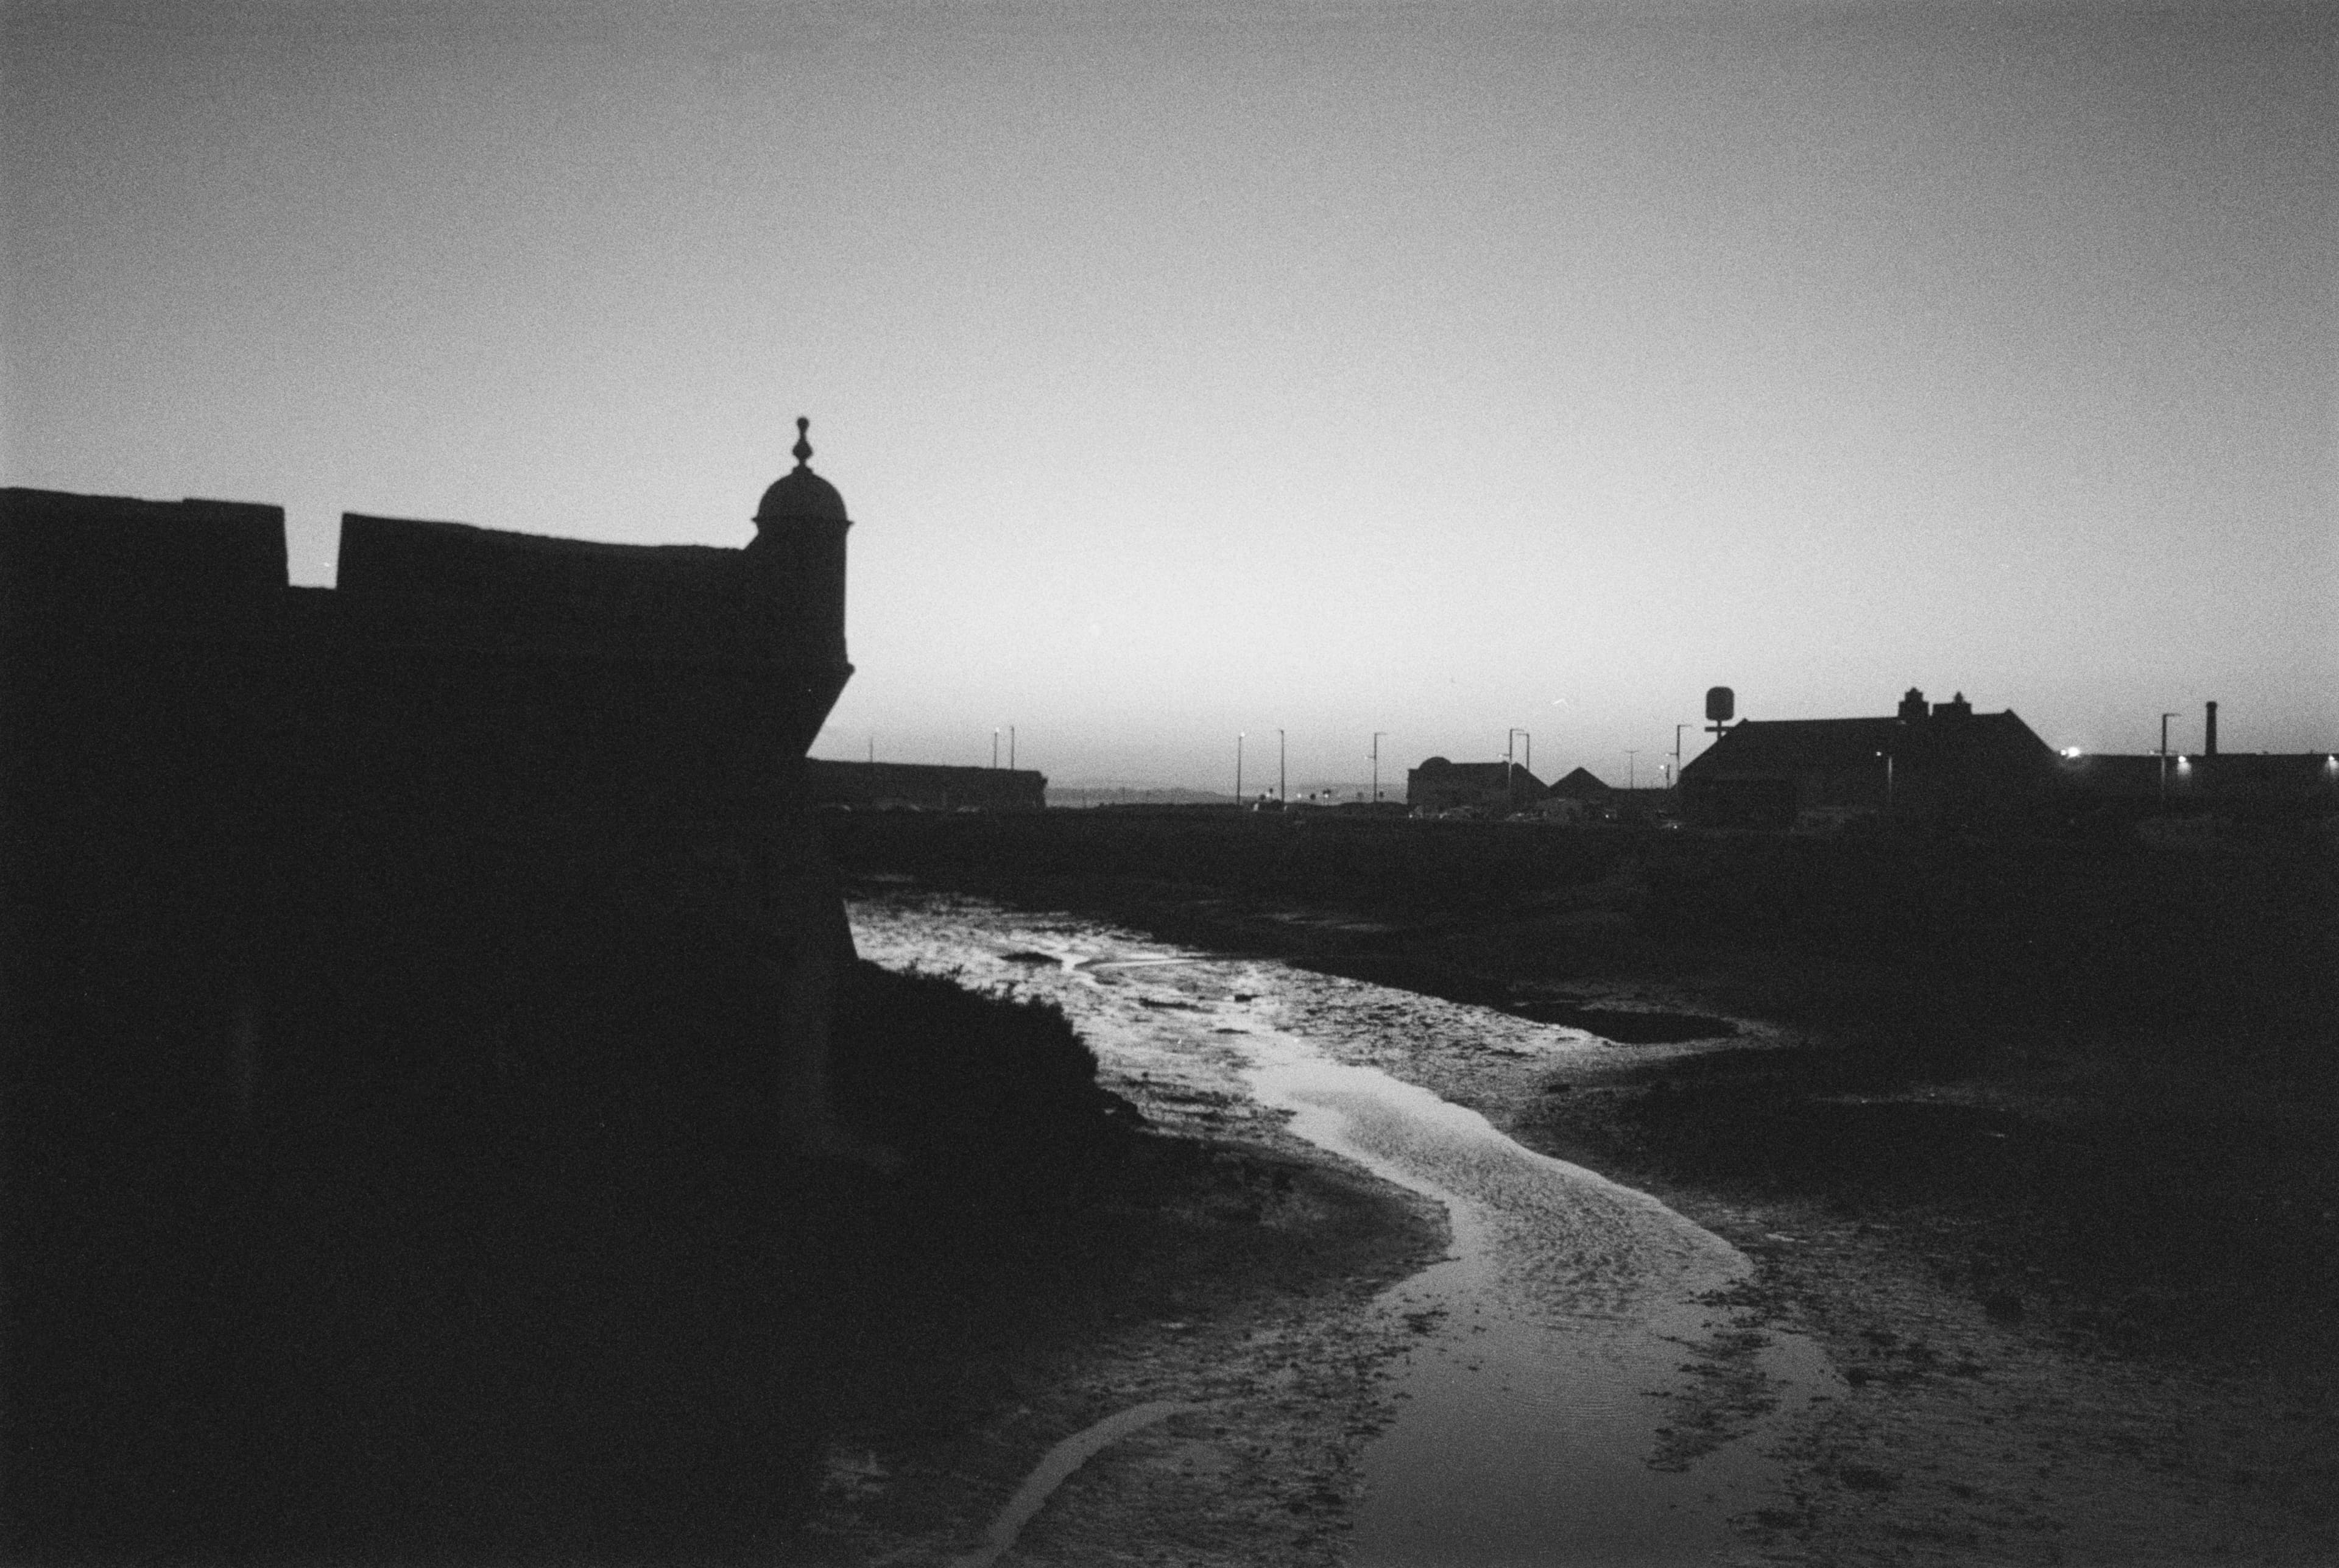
x,y
2164,756
1510,779
994,748
1631,769
1376,764
1011,748
1280,797
1238,741
1677,761
1888,779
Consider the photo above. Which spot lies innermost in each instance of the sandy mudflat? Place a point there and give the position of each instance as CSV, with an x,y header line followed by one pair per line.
x,y
1252,1300
1963,1437
1988,1415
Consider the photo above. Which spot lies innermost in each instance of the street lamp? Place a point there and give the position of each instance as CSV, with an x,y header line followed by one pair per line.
x,y
1011,748
1677,762
1632,770
1280,797
1376,764
994,748
1238,741
1888,778
1510,780
2164,756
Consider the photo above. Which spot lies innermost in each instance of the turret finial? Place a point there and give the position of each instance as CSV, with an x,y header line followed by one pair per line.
x,y
802,448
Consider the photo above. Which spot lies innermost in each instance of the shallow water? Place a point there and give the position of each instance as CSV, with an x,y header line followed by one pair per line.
x,y
1559,1341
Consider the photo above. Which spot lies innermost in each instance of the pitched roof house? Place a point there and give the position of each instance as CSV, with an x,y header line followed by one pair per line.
x,y
1938,760
1583,784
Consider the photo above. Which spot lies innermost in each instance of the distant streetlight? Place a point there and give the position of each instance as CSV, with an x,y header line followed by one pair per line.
x,y
1631,776
2164,756
994,748
1677,761
1281,798
1238,741
1510,778
1888,775
1011,748
1376,764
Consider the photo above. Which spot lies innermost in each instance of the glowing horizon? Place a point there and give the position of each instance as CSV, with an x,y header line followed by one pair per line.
x,y
1212,368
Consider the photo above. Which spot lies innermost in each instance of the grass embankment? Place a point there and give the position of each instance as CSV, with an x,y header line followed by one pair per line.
x,y
2093,1080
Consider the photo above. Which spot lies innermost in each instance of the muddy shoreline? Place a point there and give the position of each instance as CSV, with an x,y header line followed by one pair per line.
x,y
2010,1399
1231,1272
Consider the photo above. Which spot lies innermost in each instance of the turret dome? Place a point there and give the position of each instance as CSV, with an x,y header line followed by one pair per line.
x,y
800,492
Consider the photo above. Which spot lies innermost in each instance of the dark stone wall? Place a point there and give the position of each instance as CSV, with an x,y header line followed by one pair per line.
x,y
397,995
216,785
439,582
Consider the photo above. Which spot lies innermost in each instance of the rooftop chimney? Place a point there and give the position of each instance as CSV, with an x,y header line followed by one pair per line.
x,y
2209,732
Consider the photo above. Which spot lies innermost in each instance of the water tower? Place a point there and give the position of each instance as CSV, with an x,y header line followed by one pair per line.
x,y
1721,707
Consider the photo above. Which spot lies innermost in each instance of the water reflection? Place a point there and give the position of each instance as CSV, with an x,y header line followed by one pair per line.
x,y
1528,1421
1553,1347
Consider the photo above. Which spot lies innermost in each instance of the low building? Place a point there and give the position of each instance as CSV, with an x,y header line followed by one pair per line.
x,y
1938,761
1438,785
2243,783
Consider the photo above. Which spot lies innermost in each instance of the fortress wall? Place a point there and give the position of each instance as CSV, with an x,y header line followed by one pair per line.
x,y
69,562
445,582
339,924
223,793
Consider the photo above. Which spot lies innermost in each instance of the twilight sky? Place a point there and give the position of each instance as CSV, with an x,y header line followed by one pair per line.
x,y
1196,369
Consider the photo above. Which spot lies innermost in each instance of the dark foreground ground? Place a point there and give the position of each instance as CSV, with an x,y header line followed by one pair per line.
x,y
2091,1081
498,1332
2034,1139
2083,1089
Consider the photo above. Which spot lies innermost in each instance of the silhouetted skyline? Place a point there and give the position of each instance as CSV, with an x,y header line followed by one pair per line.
x,y
1223,369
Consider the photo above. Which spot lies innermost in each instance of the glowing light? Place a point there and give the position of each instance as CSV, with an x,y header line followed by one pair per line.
x,y
2070,753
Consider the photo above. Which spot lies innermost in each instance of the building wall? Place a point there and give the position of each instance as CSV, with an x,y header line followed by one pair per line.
x,y
1943,762
236,811
415,997
2293,781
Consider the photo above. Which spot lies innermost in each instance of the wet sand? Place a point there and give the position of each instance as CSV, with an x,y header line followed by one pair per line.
x,y
1956,1436
1545,1390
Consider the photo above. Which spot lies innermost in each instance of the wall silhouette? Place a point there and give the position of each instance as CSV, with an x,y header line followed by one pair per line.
x,y
1937,762
417,997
